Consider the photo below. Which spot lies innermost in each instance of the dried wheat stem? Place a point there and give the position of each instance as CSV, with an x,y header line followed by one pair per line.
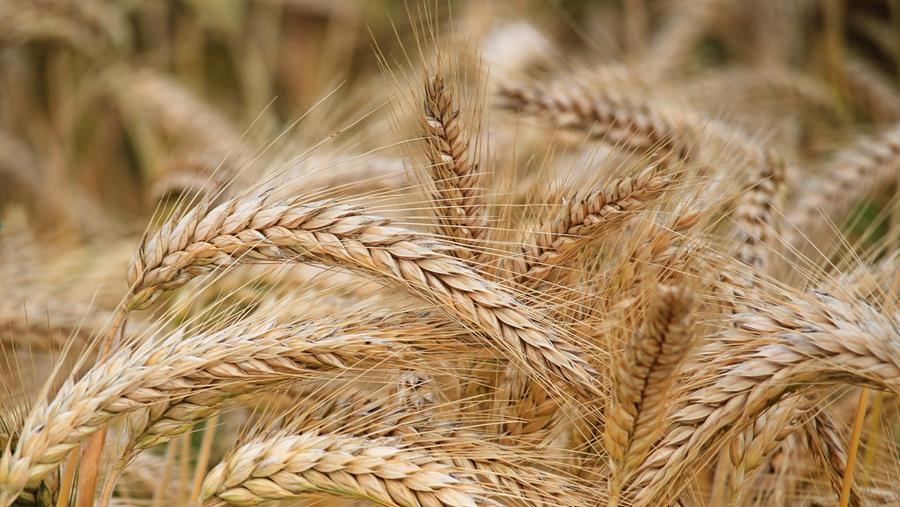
x,y
454,168
251,229
384,471
643,380
783,347
841,470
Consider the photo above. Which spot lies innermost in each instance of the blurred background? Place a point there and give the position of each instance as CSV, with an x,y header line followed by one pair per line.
x,y
101,100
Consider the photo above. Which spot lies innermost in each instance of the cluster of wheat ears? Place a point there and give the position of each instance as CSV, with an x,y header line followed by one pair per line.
x,y
648,261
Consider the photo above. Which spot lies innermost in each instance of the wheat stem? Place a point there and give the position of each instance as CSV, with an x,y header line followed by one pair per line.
x,y
853,448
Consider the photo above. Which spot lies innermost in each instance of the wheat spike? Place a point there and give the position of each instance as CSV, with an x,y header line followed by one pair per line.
x,y
386,472
454,169
782,348
855,173
748,451
615,118
756,219
829,450
581,219
643,380
238,358
340,235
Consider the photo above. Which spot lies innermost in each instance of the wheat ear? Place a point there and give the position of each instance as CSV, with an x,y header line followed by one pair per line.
x,y
829,450
756,218
643,379
333,345
783,347
237,358
605,115
384,471
581,219
856,172
502,470
749,450
454,169
326,233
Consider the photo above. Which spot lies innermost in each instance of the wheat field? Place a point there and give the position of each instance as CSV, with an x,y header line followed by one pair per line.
x,y
449,253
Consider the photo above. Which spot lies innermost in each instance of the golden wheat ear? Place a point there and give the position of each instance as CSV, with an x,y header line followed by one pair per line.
x,y
782,347
454,169
643,379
